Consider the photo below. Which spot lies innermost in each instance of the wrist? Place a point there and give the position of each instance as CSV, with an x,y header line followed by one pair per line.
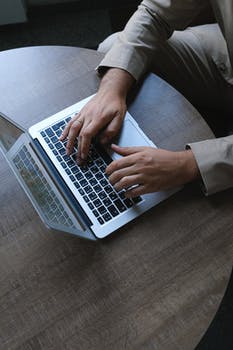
x,y
116,81
189,166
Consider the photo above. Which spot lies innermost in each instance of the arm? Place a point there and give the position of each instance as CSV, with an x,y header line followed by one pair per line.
x,y
151,25
154,22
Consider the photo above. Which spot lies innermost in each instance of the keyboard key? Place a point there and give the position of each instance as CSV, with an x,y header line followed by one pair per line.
x,y
113,196
83,183
70,163
54,139
97,188
95,212
58,132
102,195
88,189
76,184
81,192
107,217
94,169
88,175
66,158
102,210
93,182
78,176
86,199
84,168
99,176
68,119
103,182
108,189
58,125
49,132
137,200
91,206
62,151
120,206
113,210
97,203
128,202
101,220
107,202
58,145
99,162
74,169
51,146
121,194
92,196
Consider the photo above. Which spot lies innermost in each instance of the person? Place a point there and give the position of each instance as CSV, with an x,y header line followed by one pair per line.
x,y
197,60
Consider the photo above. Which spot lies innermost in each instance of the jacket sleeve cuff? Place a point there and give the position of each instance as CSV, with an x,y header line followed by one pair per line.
x,y
215,161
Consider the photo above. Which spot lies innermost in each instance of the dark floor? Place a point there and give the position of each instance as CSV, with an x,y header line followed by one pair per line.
x,y
84,29
68,25
64,25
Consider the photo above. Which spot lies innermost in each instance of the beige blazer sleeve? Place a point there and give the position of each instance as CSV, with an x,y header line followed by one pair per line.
x,y
215,161
153,23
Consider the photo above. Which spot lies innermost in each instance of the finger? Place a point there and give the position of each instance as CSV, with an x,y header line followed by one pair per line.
x,y
125,151
72,136
127,182
117,175
136,191
65,132
87,133
111,130
119,164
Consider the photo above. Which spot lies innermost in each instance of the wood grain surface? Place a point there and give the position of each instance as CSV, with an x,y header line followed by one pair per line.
x,y
156,283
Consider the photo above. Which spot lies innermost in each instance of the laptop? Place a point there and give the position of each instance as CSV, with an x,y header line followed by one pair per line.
x,y
70,198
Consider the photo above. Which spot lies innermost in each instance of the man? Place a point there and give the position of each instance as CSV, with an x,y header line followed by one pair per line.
x,y
198,61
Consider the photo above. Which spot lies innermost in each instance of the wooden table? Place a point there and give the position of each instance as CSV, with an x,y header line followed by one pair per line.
x,y
157,284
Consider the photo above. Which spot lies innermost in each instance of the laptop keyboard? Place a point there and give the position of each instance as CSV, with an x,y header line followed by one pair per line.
x,y
41,190
90,180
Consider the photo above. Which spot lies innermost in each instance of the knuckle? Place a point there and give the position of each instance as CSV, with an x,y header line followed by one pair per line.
x,y
123,182
85,133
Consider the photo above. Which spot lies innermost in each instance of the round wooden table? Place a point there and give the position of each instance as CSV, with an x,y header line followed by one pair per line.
x,y
155,284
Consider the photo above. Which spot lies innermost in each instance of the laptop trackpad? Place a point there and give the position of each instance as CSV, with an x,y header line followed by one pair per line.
x,y
131,135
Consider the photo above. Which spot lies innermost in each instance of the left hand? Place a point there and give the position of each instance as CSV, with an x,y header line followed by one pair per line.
x,y
150,169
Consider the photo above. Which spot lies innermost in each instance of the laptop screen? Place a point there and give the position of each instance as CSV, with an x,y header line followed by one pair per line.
x,y
9,134
34,179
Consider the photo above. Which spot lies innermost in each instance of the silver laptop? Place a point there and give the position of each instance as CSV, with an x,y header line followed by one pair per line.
x,y
67,197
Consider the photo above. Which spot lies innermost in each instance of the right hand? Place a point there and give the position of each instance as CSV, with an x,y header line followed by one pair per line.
x,y
103,116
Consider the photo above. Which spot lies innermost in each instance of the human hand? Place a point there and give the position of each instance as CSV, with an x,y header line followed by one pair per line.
x,y
146,169
102,115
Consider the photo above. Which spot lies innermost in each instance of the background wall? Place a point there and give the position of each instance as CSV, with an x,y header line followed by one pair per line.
x,y
12,11
46,2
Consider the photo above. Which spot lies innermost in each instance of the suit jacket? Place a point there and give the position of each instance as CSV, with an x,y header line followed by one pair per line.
x,y
151,24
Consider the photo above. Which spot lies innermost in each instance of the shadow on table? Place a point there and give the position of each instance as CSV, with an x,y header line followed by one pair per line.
x,y
219,334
